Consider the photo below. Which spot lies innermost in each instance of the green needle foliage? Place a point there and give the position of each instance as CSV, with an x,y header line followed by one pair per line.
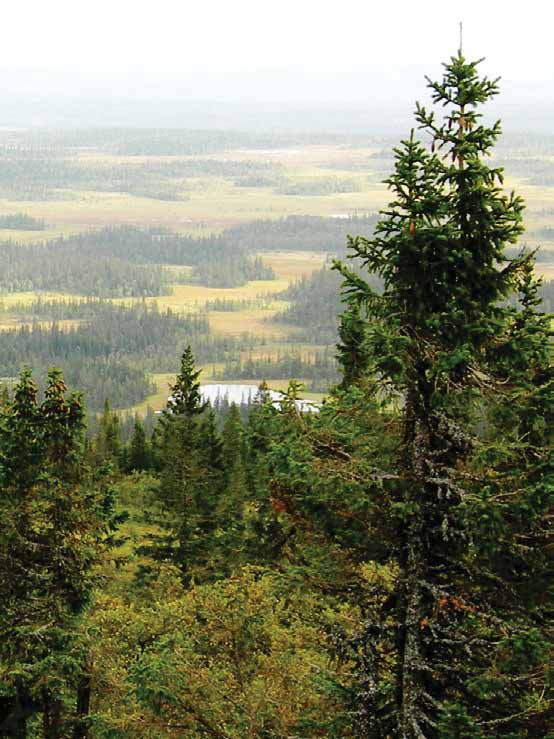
x,y
353,354
189,456
184,399
458,646
54,521
139,457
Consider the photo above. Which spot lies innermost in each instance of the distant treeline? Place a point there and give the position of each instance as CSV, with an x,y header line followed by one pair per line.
x,y
315,305
227,305
161,246
127,261
47,177
44,165
319,186
300,233
319,372
107,354
110,350
159,141
123,262
537,170
546,233
60,266
111,262
22,222
230,270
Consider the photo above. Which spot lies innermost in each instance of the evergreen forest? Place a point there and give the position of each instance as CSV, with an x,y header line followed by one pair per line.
x,y
377,568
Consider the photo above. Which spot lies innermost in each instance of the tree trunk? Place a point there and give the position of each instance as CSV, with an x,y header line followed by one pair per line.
x,y
84,692
13,718
51,717
411,659
414,568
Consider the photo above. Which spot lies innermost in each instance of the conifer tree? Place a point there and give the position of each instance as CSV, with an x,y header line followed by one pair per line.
x,y
185,398
189,485
139,448
107,446
4,396
211,446
53,524
456,644
228,514
233,441
353,354
178,435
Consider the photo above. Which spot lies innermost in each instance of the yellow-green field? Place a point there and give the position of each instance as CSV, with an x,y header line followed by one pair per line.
x,y
288,266
253,322
186,298
292,266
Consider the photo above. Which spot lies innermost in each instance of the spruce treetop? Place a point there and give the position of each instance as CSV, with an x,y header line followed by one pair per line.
x,y
439,247
185,398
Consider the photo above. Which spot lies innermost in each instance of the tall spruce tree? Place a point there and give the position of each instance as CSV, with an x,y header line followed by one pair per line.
x,y
185,399
188,447
456,643
139,457
53,524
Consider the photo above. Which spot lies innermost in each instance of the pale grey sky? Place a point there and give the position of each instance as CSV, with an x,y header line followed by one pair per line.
x,y
264,48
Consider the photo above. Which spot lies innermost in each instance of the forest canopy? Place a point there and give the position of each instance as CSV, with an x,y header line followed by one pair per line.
x,y
377,570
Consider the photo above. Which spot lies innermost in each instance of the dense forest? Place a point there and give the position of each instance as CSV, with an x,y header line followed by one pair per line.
x,y
318,372
304,233
43,175
125,262
380,569
108,350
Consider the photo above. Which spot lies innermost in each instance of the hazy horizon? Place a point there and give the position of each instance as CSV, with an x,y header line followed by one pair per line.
x,y
217,64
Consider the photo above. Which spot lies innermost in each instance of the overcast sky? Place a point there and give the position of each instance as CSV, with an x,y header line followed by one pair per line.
x,y
273,49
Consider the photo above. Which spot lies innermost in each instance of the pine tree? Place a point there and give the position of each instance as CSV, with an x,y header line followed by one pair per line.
x,y
456,646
